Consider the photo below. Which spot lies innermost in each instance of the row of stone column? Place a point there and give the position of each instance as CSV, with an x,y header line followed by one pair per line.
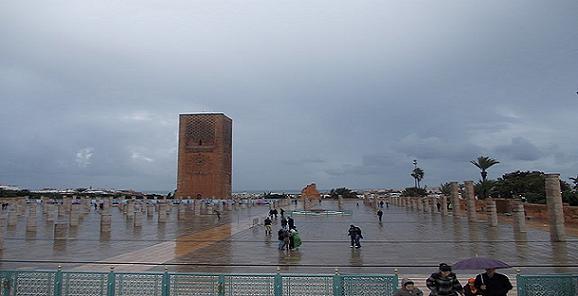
x,y
553,199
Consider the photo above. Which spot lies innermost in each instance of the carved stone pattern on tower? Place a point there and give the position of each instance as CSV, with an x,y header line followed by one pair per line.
x,y
200,133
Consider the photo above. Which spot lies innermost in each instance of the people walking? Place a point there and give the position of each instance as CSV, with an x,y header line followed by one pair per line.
x,y
470,288
268,227
283,222
379,214
408,289
493,283
355,234
444,282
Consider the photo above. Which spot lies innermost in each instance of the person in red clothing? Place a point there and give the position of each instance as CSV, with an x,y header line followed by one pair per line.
x,y
470,288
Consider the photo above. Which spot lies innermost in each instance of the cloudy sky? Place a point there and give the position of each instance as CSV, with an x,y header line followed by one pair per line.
x,y
341,93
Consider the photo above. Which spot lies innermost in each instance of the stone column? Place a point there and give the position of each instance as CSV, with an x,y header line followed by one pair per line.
x,y
426,206
61,210
12,215
181,213
455,197
492,211
555,208
74,215
67,204
49,212
105,221
162,213
138,219
519,216
419,201
444,205
60,230
31,220
471,201
150,210
130,209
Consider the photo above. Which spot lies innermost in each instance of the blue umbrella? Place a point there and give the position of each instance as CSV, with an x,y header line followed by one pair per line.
x,y
479,263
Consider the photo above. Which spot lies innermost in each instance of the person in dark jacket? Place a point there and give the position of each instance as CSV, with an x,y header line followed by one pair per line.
x,y
408,289
379,214
355,234
283,223
444,282
493,283
290,223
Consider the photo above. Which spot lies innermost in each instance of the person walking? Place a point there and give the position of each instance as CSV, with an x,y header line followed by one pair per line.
x,y
387,204
281,235
268,227
493,283
218,214
381,204
444,282
275,213
290,222
282,212
408,289
355,234
470,288
283,223
379,214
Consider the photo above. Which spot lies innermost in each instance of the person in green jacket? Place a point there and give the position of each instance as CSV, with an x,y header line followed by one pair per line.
x,y
295,238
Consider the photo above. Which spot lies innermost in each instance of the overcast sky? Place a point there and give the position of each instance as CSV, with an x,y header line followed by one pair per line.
x,y
340,93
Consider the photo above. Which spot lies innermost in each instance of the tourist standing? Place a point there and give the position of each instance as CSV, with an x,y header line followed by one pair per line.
x,y
295,238
408,289
493,283
355,234
290,222
444,282
267,223
379,214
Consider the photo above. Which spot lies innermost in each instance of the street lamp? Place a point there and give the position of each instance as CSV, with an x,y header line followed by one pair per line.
x,y
414,168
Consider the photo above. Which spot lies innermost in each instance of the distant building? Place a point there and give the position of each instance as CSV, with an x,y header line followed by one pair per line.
x,y
205,156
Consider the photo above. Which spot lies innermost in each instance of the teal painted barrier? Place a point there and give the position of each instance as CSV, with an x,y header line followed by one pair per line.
x,y
547,285
64,283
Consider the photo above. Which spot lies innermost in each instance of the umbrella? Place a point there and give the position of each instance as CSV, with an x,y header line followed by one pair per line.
x,y
479,263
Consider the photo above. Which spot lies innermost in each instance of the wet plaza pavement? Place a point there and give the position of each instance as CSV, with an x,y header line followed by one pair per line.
x,y
409,240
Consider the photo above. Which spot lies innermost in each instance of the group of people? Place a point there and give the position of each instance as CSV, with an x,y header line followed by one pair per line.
x,y
288,236
445,283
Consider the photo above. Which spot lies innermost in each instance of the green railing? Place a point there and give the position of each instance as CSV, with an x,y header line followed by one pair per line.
x,y
64,283
321,213
547,285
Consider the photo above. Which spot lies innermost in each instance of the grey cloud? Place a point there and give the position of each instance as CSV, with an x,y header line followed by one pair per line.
x,y
520,149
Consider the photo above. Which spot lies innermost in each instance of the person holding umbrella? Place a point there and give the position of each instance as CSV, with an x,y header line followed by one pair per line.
x,y
493,283
444,282
490,283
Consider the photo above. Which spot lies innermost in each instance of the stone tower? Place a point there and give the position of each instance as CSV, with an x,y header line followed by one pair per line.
x,y
205,156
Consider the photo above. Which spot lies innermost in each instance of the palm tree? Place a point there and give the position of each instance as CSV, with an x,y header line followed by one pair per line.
x,y
417,174
484,163
575,181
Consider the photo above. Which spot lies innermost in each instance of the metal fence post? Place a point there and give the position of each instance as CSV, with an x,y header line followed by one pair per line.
x,y
278,283
396,272
110,282
337,283
58,281
166,285
221,286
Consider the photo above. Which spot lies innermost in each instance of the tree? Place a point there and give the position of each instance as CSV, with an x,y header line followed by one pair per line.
x,y
446,188
417,174
414,192
575,181
344,192
484,163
